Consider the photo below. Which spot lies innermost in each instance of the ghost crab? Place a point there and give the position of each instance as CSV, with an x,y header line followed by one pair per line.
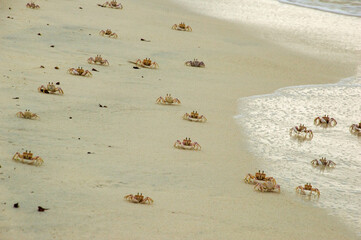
x,y
308,187
138,198
323,162
27,157
146,63
168,99
356,129
325,121
182,27
98,59
195,63
27,115
187,144
50,88
108,33
32,5
257,178
79,72
112,4
268,186
301,132
194,116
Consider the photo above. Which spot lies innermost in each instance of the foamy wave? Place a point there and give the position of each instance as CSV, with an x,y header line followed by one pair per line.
x,y
267,120
346,7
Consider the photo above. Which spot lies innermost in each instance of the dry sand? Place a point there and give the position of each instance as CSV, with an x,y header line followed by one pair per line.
x,y
197,195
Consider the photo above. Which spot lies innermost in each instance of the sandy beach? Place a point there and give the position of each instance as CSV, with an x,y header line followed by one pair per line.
x,y
95,156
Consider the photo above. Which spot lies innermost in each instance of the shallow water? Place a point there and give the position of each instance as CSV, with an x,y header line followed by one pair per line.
x,y
266,119
346,7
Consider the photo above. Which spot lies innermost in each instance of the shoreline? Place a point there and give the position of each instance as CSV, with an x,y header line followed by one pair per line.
x,y
280,159
197,194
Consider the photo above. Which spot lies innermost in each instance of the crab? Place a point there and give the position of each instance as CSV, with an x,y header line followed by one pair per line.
x,y
267,186
182,27
98,59
27,157
50,88
323,162
138,198
80,72
325,121
194,116
356,129
308,187
168,99
32,5
301,132
108,33
187,144
146,63
27,115
258,178
195,63
112,4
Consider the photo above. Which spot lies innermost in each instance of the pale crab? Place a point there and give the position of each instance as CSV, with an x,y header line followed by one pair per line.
x,y
27,157
138,198
325,121
187,144
146,63
267,186
27,115
108,33
195,63
356,129
323,162
168,99
50,88
182,27
32,5
98,59
308,187
80,72
194,117
257,178
301,132
112,4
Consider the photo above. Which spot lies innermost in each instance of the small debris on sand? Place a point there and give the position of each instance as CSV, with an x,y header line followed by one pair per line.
x,y
15,97
144,40
93,69
80,8
39,34
41,209
57,83
136,67
42,66
56,67
16,205
52,46
102,106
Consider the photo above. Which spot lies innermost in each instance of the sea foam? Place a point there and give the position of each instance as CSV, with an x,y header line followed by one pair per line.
x,y
267,119
346,7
